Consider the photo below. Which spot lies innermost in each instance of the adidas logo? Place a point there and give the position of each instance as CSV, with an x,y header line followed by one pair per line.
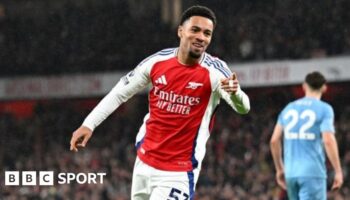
x,y
161,80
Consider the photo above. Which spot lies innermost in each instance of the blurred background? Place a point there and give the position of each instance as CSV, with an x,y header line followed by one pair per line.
x,y
59,58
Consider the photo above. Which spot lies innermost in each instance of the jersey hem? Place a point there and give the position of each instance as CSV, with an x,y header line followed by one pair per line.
x,y
166,166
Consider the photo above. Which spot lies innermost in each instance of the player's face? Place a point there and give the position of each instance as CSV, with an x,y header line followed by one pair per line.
x,y
195,35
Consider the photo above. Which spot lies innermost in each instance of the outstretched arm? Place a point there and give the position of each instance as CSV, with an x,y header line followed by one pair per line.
x,y
129,85
331,147
276,150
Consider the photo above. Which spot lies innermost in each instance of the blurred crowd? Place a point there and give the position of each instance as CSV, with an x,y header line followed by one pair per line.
x,y
237,166
86,36
55,37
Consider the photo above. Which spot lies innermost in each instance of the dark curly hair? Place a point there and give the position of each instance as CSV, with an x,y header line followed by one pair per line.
x,y
198,11
315,80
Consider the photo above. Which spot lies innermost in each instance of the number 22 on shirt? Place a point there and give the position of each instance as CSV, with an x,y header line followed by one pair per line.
x,y
302,133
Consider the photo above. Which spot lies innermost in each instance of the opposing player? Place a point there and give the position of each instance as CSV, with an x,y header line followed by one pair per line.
x,y
187,85
306,126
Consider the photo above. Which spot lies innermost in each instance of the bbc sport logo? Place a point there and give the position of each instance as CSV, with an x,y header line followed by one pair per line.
x,y
47,178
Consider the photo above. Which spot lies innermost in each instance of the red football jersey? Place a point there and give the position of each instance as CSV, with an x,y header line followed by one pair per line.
x,y
182,101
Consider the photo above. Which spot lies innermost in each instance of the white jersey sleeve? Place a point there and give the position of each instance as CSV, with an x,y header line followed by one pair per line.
x,y
130,84
238,101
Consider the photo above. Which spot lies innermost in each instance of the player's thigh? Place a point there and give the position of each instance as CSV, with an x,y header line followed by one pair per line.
x,y
292,188
170,193
140,188
313,189
173,185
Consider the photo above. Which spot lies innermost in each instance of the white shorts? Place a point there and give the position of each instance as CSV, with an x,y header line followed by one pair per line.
x,y
149,183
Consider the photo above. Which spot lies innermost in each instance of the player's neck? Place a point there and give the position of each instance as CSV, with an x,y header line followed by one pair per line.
x,y
185,59
313,94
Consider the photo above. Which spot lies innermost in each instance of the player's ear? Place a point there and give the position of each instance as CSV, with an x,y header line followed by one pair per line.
x,y
179,31
324,88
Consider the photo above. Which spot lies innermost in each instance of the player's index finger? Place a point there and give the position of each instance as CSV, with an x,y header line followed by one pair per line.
x,y
72,144
72,147
73,140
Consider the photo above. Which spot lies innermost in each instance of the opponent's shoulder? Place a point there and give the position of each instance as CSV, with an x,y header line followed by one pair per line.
x,y
326,106
324,103
160,56
216,64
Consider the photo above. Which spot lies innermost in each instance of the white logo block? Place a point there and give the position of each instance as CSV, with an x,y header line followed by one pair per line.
x,y
46,178
11,178
29,178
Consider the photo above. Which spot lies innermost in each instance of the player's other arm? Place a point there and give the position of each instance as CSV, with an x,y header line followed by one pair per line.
x,y
276,151
331,147
233,94
128,85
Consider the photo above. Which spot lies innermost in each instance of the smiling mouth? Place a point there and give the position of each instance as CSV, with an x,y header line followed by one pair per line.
x,y
198,45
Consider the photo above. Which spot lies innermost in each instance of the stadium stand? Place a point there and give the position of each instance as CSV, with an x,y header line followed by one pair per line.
x,y
87,36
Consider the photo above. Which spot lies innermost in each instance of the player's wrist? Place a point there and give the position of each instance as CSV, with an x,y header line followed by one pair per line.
x,y
238,93
87,126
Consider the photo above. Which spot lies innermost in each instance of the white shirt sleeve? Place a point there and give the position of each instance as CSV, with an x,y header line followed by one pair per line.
x,y
238,101
127,86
